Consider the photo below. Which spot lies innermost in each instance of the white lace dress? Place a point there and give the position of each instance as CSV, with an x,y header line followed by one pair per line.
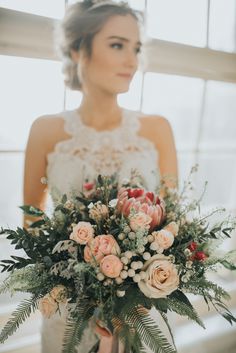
x,y
82,157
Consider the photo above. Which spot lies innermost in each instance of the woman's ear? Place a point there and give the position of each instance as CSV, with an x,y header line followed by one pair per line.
x,y
75,55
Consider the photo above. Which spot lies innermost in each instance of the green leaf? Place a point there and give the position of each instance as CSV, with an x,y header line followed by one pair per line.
x,y
229,317
228,265
32,211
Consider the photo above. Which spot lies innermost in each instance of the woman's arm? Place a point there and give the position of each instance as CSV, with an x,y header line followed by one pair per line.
x,y
159,131
35,167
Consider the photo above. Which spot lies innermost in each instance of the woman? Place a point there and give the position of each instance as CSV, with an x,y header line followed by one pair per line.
x,y
100,45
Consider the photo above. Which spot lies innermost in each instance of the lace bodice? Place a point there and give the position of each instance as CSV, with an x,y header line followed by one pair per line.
x,y
89,152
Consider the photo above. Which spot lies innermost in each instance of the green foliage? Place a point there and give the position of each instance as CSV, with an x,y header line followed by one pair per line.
x,y
179,303
22,312
147,328
32,211
29,279
75,326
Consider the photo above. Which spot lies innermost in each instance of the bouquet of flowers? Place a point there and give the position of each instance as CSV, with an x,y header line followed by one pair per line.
x,y
113,253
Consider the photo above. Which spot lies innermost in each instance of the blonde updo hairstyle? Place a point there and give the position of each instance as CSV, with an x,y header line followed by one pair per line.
x,y
77,30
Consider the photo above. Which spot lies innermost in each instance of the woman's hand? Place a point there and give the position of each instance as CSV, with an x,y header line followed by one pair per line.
x,y
103,331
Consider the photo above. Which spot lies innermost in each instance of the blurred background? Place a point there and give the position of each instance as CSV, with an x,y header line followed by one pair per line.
x,y
187,74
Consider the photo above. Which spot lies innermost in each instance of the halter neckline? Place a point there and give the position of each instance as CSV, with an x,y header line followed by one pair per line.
x,y
77,116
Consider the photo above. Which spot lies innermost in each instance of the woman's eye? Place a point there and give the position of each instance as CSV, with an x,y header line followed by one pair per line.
x,y
117,45
137,50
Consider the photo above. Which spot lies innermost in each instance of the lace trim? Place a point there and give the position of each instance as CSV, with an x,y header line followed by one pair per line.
x,y
84,137
74,125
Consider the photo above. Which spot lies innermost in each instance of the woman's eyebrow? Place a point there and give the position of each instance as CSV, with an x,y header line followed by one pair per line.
x,y
123,39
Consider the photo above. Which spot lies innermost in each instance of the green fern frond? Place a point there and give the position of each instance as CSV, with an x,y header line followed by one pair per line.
x,y
75,328
22,312
164,316
207,288
148,331
123,331
183,309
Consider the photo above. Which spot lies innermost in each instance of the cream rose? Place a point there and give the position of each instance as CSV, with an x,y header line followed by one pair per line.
x,y
48,306
161,277
172,227
82,233
59,294
111,266
164,239
140,221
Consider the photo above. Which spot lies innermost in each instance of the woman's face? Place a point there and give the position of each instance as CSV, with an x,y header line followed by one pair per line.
x,y
114,57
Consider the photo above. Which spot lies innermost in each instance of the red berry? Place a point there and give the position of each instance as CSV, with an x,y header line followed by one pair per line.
x,y
88,186
192,246
200,256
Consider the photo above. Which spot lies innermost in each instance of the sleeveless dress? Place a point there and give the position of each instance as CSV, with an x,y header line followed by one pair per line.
x,y
82,157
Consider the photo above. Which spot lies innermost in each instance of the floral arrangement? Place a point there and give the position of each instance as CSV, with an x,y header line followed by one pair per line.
x,y
113,253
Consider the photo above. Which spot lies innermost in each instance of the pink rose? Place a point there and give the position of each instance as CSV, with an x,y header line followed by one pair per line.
x,y
111,266
140,221
161,277
100,246
82,233
108,245
164,239
48,306
92,253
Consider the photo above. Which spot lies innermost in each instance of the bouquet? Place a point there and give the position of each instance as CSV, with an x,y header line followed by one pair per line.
x,y
113,253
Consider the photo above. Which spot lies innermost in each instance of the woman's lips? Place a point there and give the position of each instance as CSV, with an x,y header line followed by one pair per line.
x,y
128,76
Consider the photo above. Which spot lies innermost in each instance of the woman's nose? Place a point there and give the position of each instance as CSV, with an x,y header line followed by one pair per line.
x,y
131,59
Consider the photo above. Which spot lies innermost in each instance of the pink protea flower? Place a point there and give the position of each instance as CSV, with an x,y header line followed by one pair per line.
x,y
141,201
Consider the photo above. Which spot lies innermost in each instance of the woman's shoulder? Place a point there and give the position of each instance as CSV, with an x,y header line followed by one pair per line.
x,y
48,121
49,129
155,127
155,121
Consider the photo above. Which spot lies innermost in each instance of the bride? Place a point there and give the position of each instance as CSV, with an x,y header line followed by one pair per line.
x,y
100,45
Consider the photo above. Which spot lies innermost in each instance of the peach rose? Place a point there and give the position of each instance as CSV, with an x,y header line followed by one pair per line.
x,y
59,293
82,233
164,239
48,306
111,266
172,227
161,277
92,253
108,245
140,221
100,246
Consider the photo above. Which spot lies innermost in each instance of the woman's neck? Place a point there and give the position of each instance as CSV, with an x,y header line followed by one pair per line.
x,y
100,111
